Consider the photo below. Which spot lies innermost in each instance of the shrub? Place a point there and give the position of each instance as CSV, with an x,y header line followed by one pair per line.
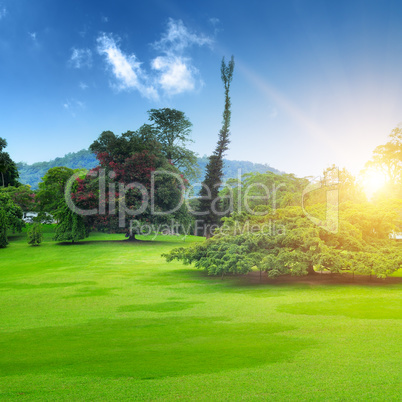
x,y
35,234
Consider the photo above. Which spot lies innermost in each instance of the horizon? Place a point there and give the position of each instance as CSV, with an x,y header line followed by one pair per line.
x,y
315,83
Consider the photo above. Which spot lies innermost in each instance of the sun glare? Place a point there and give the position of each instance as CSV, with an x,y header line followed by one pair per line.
x,y
373,180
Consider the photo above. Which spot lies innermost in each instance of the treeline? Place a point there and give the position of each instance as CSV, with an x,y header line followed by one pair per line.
x,y
85,159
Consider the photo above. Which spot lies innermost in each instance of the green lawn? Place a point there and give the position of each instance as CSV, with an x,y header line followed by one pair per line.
x,y
107,319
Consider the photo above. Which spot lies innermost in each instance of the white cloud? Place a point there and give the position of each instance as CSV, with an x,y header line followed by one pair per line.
x,y
126,68
81,58
178,38
172,71
3,12
32,35
176,71
83,86
175,75
215,22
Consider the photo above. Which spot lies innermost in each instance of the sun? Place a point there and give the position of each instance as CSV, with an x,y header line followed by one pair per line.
x,y
373,180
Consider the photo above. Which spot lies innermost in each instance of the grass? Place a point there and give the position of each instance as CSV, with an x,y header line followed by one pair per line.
x,y
111,320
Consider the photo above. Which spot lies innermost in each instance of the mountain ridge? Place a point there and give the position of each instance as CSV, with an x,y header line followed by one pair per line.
x,y
32,174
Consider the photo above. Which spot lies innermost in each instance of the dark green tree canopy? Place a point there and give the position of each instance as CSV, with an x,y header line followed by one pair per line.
x,y
23,196
13,212
51,189
8,168
131,142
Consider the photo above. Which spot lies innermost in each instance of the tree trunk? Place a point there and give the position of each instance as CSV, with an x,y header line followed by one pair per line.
x,y
310,270
132,238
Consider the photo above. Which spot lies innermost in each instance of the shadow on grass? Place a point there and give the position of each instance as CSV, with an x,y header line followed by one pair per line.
x,y
122,241
201,282
148,348
17,236
363,308
88,242
158,307
92,291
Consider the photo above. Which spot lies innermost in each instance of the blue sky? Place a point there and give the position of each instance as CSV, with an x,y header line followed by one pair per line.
x,y
315,82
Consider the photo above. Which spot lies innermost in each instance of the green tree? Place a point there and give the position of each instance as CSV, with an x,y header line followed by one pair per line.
x,y
35,235
134,157
13,213
3,229
23,196
127,144
8,168
173,129
51,188
209,204
287,242
70,227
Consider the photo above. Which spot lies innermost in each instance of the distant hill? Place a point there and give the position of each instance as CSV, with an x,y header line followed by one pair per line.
x,y
32,174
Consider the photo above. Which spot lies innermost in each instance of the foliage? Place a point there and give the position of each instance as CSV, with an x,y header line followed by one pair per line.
x,y
35,235
70,227
8,169
167,193
23,196
13,213
3,228
287,242
129,159
172,130
51,188
208,201
119,148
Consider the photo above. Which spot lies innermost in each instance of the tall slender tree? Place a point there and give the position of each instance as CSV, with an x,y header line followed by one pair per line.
x,y
209,202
